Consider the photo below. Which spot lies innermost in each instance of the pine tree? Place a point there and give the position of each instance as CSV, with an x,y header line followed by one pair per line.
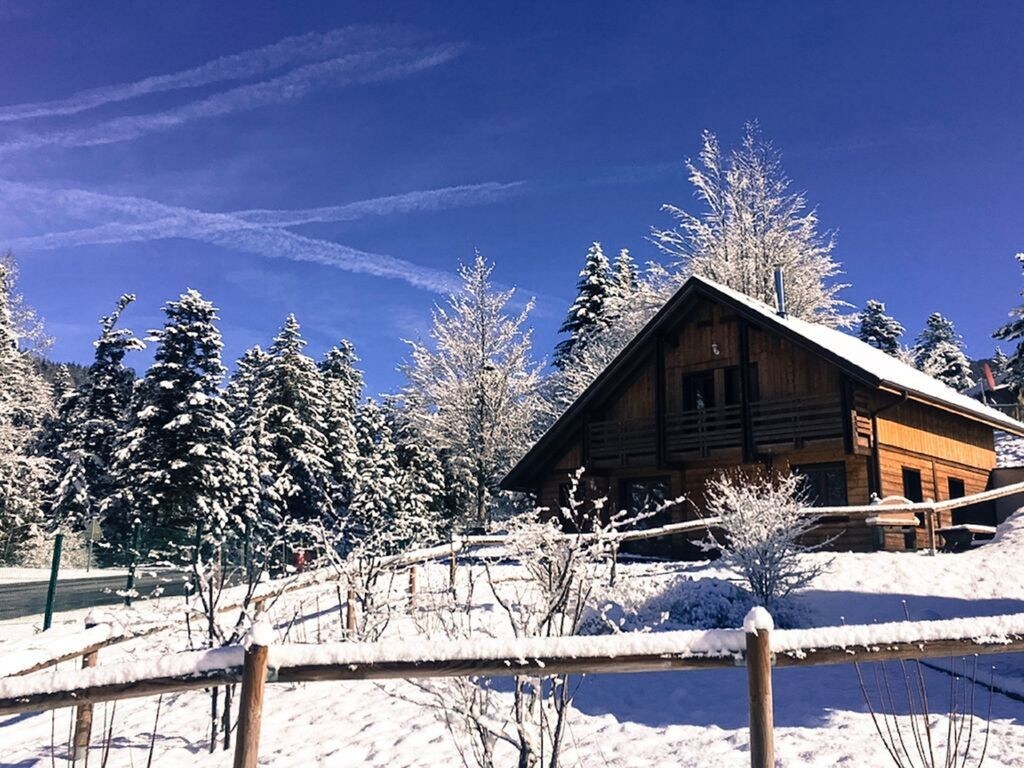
x,y
1000,362
343,389
878,329
254,508
375,522
174,465
422,490
751,224
588,310
939,353
1014,331
26,401
476,391
626,278
91,421
296,426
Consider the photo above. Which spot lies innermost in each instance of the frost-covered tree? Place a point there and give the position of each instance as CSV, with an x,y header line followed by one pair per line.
x,y
296,431
595,283
939,352
25,406
91,422
28,325
174,464
343,390
878,329
476,389
763,519
751,223
1013,330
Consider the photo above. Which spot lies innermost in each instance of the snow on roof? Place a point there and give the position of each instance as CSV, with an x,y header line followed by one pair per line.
x,y
894,373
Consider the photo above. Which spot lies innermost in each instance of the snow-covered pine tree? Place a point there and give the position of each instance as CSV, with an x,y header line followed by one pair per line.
x,y
1013,330
375,523
296,426
595,283
174,464
254,505
752,223
476,389
343,390
878,329
26,402
422,491
628,313
91,422
1000,362
625,277
939,352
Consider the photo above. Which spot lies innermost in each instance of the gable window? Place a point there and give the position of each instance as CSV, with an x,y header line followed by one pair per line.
x,y
912,485
699,391
734,386
956,488
824,484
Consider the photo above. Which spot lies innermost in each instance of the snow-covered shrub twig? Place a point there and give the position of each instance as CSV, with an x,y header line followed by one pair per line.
x,y
763,518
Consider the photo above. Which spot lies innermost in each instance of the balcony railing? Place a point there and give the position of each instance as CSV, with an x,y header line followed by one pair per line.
x,y
706,429
791,420
796,419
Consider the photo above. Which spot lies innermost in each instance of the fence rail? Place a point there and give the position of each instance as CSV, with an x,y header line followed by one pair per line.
x,y
636,652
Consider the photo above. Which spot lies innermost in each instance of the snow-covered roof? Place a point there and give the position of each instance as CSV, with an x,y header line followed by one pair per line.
x,y
893,373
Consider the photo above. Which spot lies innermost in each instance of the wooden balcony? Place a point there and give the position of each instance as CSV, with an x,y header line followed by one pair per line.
x,y
693,434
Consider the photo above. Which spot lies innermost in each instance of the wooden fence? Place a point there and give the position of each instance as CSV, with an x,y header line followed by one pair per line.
x,y
757,647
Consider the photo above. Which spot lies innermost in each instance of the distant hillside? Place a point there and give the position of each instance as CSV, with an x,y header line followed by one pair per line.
x,y
79,373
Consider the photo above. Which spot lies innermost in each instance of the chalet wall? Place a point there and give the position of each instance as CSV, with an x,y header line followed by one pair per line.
x,y
930,431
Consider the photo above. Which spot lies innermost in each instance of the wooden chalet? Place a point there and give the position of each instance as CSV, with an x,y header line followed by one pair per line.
x,y
717,380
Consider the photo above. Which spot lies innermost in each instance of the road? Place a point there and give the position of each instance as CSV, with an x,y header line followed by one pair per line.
x,y
28,598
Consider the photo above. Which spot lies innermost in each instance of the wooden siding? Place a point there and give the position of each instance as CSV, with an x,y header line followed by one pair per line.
x,y
932,432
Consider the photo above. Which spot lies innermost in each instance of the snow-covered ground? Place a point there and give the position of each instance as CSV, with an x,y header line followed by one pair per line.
x,y
669,718
1009,450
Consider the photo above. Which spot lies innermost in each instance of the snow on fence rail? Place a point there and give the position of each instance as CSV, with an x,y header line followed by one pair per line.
x,y
756,646
627,652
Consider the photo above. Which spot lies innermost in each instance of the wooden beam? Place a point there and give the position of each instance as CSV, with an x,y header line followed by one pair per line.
x,y
250,707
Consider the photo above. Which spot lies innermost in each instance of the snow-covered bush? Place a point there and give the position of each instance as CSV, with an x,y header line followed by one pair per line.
x,y
763,518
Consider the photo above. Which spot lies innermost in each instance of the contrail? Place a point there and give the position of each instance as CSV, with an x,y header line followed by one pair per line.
x,y
236,232
240,66
353,69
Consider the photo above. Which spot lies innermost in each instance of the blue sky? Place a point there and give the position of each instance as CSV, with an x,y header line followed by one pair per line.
x,y
151,147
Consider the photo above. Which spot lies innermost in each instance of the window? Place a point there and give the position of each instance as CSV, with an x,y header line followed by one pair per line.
x,y
734,388
912,485
824,484
699,391
956,488
645,493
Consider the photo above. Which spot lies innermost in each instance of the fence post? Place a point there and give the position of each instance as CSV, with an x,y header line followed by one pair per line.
x,y
452,564
758,625
250,706
350,612
930,526
51,590
83,716
412,585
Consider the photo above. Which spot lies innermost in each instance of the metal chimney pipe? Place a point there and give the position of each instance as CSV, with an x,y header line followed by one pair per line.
x,y
780,292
